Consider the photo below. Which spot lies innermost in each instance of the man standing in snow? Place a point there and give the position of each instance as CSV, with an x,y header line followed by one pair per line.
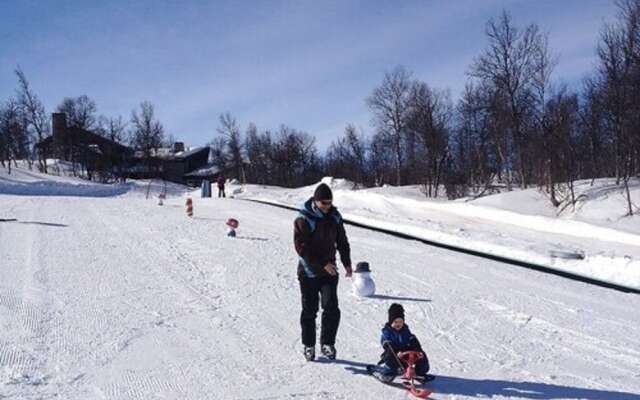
x,y
221,180
318,232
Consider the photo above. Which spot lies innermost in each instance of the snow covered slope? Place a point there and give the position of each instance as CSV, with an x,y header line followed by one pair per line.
x,y
119,298
25,182
28,182
523,229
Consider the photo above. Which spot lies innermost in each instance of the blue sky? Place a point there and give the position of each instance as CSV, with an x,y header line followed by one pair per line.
x,y
308,64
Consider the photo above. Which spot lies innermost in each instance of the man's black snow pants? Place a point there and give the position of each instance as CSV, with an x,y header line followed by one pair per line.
x,y
325,289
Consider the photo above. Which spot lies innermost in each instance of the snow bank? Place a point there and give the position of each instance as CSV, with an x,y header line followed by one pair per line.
x,y
519,225
23,181
601,202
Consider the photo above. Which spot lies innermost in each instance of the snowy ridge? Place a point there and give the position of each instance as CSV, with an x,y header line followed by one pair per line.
x,y
25,182
29,182
470,247
608,255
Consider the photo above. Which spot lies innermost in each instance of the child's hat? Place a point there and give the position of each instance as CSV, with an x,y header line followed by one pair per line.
x,y
395,311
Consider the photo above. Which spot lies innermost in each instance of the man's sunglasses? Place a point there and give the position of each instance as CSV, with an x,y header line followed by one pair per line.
x,y
325,203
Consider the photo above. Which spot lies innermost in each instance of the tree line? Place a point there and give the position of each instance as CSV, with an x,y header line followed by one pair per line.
x,y
513,125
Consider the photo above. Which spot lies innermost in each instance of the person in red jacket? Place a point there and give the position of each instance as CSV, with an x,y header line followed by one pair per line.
x,y
318,233
221,180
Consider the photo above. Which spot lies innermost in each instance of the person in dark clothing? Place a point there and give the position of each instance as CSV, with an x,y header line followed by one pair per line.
x,y
396,338
318,233
221,180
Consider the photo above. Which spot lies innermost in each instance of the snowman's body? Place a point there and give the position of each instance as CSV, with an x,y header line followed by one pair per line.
x,y
363,284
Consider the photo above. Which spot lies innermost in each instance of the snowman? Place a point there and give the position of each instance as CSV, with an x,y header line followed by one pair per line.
x,y
363,285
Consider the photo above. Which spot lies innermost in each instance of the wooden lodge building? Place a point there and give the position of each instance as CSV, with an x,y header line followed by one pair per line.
x,y
108,160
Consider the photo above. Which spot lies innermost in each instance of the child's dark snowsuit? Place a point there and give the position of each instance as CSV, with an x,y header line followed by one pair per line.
x,y
402,340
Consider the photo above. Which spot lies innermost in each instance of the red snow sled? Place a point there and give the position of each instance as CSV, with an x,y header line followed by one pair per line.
x,y
409,358
233,223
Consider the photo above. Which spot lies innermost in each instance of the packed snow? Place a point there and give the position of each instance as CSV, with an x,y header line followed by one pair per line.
x,y
111,296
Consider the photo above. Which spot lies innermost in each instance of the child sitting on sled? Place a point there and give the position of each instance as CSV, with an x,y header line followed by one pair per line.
x,y
397,340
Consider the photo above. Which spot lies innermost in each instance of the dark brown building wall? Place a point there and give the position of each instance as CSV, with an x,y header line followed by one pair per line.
x,y
59,131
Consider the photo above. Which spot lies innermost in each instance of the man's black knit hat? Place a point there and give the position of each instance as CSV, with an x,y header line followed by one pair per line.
x,y
395,311
323,192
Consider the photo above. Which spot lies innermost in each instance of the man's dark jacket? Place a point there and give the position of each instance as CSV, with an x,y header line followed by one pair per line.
x,y
317,236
